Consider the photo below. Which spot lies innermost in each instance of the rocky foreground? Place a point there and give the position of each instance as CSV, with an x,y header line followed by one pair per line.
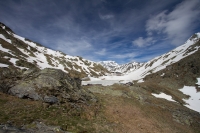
x,y
50,101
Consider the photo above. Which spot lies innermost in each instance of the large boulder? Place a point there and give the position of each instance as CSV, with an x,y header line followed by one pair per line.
x,y
49,85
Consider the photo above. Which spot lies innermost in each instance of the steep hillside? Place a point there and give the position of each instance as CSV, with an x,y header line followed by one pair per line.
x,y
137,71
183,72
18,52
190,47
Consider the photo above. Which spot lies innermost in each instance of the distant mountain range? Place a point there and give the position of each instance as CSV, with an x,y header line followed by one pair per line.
x,y
19,52
22,53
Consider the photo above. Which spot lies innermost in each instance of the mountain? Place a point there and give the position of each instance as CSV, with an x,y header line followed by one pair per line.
x,y
110,65
19,52
135,71
128,67
188,48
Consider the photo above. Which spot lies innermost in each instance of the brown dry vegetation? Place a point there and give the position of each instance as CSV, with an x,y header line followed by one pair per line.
x,y
136,112
139,112
129,116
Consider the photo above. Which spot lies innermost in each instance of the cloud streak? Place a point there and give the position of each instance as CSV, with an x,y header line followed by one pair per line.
x,y
178,24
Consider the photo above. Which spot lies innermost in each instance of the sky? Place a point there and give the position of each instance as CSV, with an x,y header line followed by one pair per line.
x,y
99,30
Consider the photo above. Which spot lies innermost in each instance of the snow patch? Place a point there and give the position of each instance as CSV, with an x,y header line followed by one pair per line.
x,y
194,101
3,65
3,37
4,49
13,60
198,79
163,74
140,81
163,95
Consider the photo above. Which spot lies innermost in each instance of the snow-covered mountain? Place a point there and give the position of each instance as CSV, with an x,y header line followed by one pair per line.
x,y
110,65
128,67
136,71
191,46
18,52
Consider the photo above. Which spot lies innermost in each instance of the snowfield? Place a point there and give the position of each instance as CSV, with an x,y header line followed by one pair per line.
x,y
105,80
194,101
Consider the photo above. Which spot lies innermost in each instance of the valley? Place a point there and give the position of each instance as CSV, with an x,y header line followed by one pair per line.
x,y
42,90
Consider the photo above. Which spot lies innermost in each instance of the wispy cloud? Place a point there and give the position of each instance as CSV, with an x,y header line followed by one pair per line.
x,y
141,42
104,17
74,47
101,52
178,24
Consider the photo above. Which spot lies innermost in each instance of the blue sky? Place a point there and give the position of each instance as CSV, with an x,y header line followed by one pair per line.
x,y
119,30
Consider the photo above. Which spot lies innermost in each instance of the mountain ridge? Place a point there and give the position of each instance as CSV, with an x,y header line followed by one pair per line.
x,y
19,52
136,70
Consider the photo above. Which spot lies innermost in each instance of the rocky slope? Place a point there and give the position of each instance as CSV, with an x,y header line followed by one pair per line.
x,y
49,85
18,52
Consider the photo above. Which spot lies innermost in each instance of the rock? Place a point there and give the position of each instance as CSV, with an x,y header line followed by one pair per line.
x,y
49,85
129,84
50,99
7,128
39,127
8,78
25,90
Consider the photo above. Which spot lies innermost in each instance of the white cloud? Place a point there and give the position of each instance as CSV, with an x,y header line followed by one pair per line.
x,y
178,24
141,42
101,52
108,16
79,47
124,56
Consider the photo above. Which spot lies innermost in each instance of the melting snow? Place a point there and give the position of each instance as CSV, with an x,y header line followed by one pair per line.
x,y
4,49
140,81
198,81
13,60
162,74
194,101
3,37
3,65
163,95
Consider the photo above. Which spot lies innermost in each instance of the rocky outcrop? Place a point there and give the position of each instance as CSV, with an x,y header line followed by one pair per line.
x,y
37,127
49,85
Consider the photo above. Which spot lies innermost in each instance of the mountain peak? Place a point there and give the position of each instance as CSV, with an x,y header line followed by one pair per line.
x,y
3,26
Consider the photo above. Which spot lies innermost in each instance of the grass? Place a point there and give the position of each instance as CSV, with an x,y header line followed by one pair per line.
x,y
112,113
24,63
74,119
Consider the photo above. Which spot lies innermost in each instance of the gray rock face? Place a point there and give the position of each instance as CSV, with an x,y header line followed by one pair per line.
x,y
49,85
50,99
